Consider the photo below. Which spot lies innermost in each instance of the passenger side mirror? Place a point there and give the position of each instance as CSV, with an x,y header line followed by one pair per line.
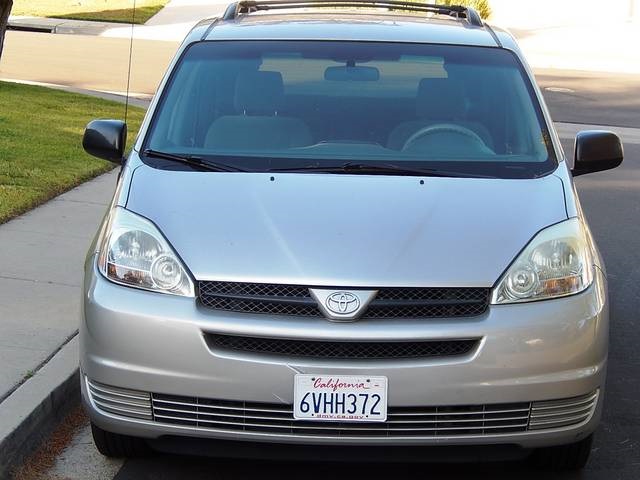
x,y
106,139
596,150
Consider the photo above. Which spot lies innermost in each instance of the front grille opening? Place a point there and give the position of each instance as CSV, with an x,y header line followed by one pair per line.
x,y
255,417
341,350
295,300
427,421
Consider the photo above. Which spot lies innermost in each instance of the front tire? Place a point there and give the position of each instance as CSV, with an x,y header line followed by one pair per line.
x,y
564,457
114,445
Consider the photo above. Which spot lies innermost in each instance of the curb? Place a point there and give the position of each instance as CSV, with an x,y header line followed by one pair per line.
x,y
59,26
31,412
142,100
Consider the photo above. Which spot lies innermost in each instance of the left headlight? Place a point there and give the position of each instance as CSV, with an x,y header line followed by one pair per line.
x,y
556,263
134,253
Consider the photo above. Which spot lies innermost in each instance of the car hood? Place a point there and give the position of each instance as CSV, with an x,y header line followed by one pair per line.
x,y
345,230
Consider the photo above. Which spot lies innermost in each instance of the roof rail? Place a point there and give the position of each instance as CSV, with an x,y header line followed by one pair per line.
x,y
249,6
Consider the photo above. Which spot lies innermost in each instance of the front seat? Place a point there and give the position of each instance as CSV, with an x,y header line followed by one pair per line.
x,y
257,124
439,100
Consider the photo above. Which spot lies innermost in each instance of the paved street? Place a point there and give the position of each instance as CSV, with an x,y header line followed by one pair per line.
x,y
55,59
612,206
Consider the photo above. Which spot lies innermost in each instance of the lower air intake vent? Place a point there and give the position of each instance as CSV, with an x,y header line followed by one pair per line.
x,y
120,401
275,418
560,413
341,350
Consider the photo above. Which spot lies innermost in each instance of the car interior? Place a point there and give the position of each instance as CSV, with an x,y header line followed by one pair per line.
x,y
330,106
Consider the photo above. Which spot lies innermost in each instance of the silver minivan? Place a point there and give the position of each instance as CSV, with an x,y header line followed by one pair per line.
x,y
351,231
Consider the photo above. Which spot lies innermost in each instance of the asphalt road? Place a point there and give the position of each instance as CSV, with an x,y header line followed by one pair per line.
x,y
592,97
46,58
612,204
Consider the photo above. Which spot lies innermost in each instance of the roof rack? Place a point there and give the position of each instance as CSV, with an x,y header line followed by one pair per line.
x,y
249,6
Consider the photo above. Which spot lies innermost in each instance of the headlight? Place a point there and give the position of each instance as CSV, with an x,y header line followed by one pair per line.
x,y
556,263
133,252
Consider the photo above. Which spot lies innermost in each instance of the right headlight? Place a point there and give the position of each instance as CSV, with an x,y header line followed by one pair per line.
x,y
134,253
556,263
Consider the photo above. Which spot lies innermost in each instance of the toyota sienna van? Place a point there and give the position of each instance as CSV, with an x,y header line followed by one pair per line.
x,y
347,229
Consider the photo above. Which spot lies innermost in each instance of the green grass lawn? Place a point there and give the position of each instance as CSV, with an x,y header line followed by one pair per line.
x,y
95,10
41,151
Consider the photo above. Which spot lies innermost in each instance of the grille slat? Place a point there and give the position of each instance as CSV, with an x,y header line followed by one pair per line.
x,y
201,413
559,421
296,300
563,412
487,412
585,400
471,420
119,392
342,350
121,409
347,427
221,407
119,401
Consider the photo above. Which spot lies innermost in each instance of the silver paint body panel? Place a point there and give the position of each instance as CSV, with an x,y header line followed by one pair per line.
x,y
345,230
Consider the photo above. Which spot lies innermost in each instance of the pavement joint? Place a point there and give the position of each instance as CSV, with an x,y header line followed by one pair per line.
x,y
34,280
99,204
26,378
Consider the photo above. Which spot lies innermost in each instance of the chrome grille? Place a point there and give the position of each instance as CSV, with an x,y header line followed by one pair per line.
x,y
296,300
401,421
341,350
120,401
255,417
560,413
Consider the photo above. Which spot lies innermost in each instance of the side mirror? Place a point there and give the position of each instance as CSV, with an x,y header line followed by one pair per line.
x,y
106,139
596,150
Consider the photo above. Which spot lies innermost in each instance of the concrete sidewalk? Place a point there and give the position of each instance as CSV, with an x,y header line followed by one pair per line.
x,y
41,274
41,265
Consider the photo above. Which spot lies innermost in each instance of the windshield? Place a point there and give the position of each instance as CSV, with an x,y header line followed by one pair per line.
x,y
278,105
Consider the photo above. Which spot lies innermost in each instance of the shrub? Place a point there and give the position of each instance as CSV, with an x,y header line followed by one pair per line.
x,y
482,6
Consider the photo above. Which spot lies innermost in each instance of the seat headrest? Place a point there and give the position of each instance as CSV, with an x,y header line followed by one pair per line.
x,y
259,93
440,99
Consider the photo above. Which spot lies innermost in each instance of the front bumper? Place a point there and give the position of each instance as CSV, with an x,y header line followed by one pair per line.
x,y
533,352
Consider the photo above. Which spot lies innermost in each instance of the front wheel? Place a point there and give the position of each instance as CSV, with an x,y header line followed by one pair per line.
x,y
564,457
114,445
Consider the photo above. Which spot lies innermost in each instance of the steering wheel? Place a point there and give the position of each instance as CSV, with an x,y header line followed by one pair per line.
x,y
443,127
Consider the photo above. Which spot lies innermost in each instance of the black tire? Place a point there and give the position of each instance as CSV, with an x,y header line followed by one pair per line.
x,y
114,445
564,457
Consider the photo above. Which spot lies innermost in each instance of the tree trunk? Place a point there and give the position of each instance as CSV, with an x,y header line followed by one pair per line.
x,y
5,9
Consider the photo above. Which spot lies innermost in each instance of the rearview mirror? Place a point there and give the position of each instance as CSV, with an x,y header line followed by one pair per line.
x,y
106,139
596,150
352,73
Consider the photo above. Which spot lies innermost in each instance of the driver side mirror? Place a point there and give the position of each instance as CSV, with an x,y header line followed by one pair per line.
x,y
106,139
595,151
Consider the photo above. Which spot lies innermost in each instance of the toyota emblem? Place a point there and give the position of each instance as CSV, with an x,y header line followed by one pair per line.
x,y
342,303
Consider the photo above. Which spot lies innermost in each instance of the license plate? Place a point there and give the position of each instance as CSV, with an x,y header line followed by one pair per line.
x,y
340,399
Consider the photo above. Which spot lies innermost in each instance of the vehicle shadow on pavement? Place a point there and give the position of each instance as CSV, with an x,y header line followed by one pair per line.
x,y
169,467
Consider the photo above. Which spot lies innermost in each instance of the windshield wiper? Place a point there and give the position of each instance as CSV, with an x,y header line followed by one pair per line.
x,y
379,169
193,161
